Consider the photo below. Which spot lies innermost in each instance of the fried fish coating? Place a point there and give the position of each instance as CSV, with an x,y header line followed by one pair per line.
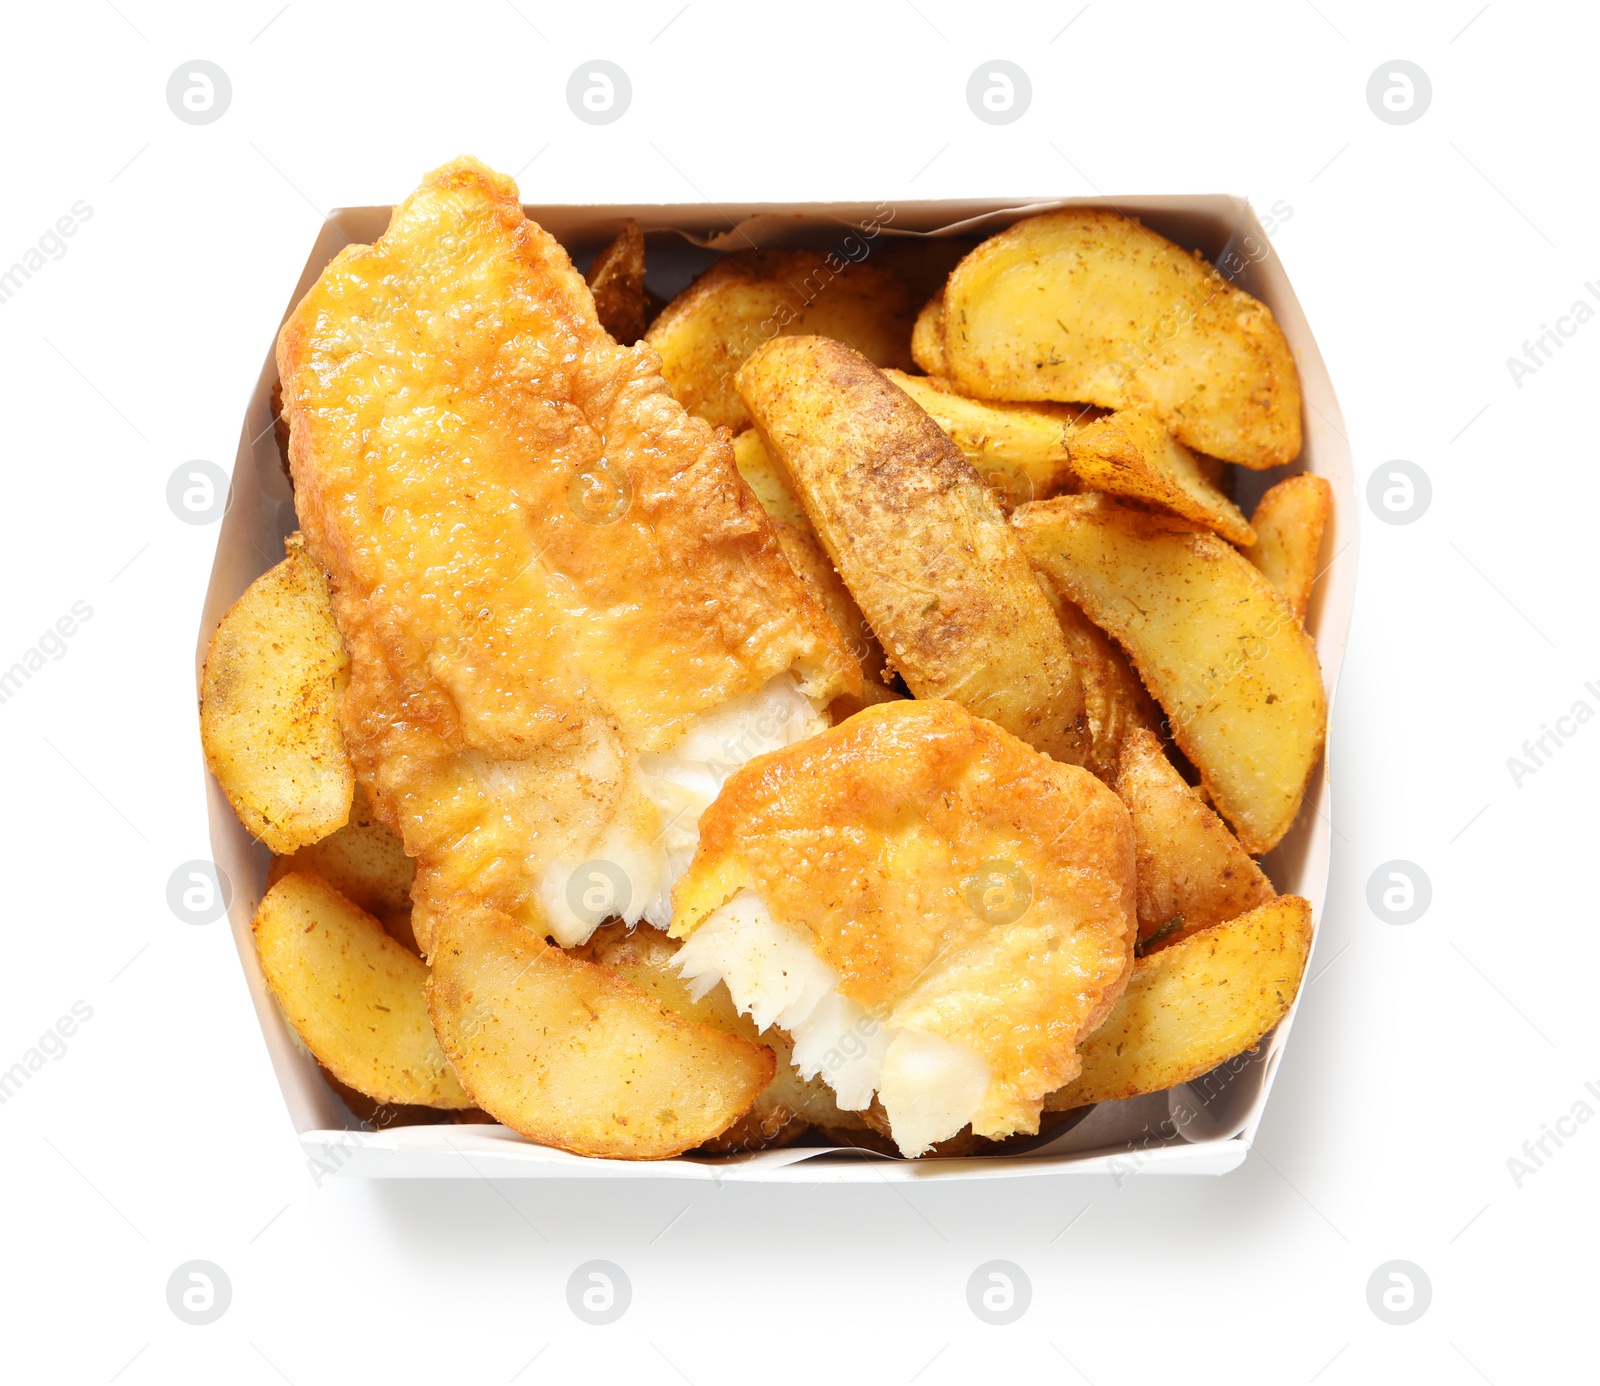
x,y
545,571
930,907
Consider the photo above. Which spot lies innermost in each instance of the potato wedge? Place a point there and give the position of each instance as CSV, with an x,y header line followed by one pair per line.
x,y
352,994
927,337
1116,703
1131,454
919,541
1288,522
1092,306
269,706
616,279
1215,643
1019,449
706,333
365,863
570,1055
1195,1005
1192,871
786,1106
813,567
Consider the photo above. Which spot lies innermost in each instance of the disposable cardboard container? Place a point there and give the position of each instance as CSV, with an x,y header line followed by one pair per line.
x,y
1205,1127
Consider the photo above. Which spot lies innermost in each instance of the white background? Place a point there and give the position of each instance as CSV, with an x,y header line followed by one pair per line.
x,y
1423,1056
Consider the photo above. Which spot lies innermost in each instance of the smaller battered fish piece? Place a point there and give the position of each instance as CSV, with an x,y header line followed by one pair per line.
x,y
919,540
934,911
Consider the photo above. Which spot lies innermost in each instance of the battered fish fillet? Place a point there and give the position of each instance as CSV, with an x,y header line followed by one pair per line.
x,y
568,619
931,908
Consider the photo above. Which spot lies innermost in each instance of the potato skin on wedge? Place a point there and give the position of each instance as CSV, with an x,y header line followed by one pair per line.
x,y
1130,453
708,331
269,706
616,279
1091,306
1288,523
1216,644
1021,450
1195,1005
1192,871
787,1105
353,994
919,540
570,1055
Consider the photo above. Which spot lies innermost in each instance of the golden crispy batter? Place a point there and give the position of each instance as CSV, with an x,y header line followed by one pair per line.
x,y
542,567
960,883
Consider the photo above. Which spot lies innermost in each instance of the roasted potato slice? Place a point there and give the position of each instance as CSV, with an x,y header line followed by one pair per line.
x,y
1019,449
1195,1005
616,279
1116,703
269,706
705,334
1092,306
1192,871
814,569
571,1055
352,994
927,338
786,1107
919,540
1216,644
1131,454
365,863
1288,522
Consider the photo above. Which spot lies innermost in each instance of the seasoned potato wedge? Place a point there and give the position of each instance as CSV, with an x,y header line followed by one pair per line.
x,y
787,1105
1116,703
1214,642
1192,871
705,334
1288,522
813,567
1094,307
919,540
1195,1005
616,278
571,1055
1131,454
927,337
365,863
269,706
1019,449
353,994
